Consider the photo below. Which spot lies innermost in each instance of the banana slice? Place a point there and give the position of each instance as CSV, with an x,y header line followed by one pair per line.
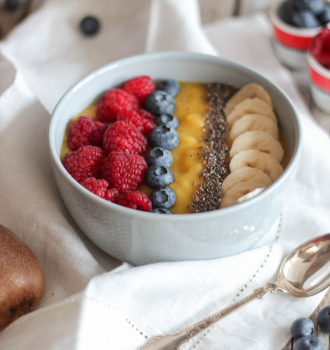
x,y
250,195
256,159
243,175
252,122
238,191
251,106
248,91
259,140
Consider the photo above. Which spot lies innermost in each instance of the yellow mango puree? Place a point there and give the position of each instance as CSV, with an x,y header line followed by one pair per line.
x,y
190,107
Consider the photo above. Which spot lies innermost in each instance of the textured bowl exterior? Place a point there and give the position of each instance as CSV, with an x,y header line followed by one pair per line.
x,y
141,238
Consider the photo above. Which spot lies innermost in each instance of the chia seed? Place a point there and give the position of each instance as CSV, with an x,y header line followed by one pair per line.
x,y
214,151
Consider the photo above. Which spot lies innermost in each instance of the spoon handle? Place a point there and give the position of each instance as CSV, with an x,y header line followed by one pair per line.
x,y
174,341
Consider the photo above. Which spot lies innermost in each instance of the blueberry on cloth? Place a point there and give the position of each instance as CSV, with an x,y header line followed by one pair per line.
x,y
164,136
89,25
163,197
159,156
286,11
315,6
324,17
170,86
12,5
160,102
305,19
158,176
309,343
161,211
301,328
323,319
167,119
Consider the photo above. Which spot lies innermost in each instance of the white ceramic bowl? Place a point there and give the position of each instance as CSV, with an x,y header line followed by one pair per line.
x,y
139,237
319,84
291,43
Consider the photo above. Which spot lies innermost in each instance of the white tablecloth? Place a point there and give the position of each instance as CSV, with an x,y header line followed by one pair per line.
x,y
86,306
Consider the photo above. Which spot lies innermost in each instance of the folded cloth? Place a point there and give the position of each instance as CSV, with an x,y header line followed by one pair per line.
x,y
85,306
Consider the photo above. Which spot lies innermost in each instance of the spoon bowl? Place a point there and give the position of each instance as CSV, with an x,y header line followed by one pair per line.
x,y
306,270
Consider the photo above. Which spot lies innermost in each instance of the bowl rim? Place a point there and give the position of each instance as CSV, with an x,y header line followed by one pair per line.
x,y
168,55
277,21
314,64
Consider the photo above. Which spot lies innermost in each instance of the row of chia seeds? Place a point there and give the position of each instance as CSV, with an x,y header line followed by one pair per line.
x,y
214,151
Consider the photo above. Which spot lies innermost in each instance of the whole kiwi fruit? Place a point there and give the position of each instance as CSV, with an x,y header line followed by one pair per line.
x,y
22,278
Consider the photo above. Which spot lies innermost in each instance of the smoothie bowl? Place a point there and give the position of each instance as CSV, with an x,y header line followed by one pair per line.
x,y
220,111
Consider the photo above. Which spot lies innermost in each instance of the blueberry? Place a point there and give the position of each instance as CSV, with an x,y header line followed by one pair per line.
x,y
315,6
159,156
89,25
305,19
286,11
163,136
323,319
309,343
163,198
160,102
301,328
324,17
12,5
167,119
170,86
158,176
161,211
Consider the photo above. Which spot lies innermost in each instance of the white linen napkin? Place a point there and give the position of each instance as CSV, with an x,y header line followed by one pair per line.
x,y
119,309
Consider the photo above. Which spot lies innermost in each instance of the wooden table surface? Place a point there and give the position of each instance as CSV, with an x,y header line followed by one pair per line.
x,y
211,10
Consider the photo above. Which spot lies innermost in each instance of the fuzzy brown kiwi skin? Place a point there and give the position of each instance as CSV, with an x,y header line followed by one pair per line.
x,y
22,278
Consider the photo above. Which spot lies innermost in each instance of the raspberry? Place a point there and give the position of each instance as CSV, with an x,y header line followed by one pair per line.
x,y
145,126
84,163
97,187
124,137
140,87
316,45
323,58
320,47
113,102
135,200
140,199
131,117
145,114
124,171
103,112
111,195
148,126
125,203
85,131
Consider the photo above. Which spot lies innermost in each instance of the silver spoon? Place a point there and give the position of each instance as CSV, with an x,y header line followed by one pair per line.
x,y
303,273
